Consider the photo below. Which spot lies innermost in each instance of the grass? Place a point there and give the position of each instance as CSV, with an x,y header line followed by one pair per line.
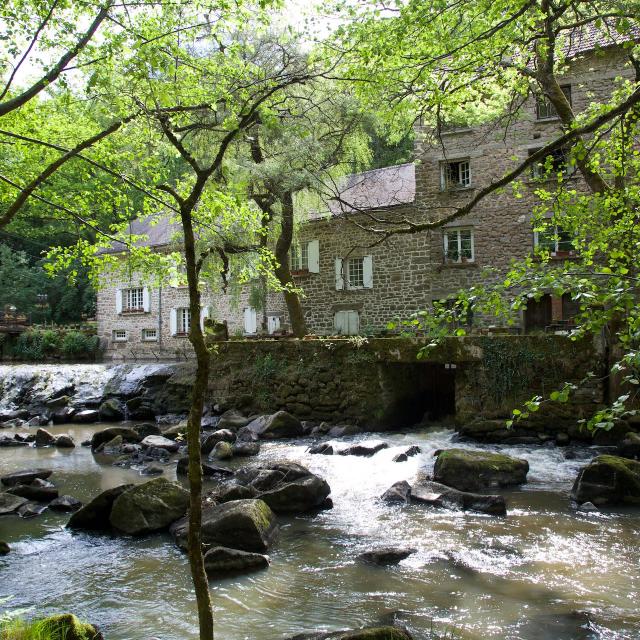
x,y
61,627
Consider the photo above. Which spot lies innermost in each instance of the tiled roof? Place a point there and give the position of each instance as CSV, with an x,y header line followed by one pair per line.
x,y
590,37
376,189
157,230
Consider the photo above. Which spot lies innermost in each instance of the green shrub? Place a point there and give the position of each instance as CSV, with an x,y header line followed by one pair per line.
x,y
61,627
29,345
76,343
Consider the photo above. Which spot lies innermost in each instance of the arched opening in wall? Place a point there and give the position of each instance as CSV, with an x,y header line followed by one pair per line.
x,y
418,393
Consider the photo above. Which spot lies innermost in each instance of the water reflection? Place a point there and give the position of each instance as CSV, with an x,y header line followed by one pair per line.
x,y
544,571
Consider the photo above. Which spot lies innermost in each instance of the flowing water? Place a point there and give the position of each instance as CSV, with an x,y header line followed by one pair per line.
x,y
545,571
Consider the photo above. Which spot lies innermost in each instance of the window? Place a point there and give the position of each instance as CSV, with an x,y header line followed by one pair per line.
x,y
134,299
250,320
300,257
150,335
554,240
455,175
557,162
119,335
273,324
184,320
544,109
355,273
347,323
458,245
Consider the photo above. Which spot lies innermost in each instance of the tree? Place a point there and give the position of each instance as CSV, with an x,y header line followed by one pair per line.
x,y
477,63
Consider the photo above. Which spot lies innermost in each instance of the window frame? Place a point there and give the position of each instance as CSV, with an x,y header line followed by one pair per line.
x,y
544,104
457,231
446,184
127,295
183,321
299,257
556,252
115,338
360,260
345,313
146,338
538,170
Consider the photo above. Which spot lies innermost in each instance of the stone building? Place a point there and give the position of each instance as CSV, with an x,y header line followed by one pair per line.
x,y
354,285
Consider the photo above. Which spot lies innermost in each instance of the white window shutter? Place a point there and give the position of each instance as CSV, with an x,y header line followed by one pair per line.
x,y
314,256
205,313
339,322
339,274
250,320
146,301
367,272
173,321
118,300
353,323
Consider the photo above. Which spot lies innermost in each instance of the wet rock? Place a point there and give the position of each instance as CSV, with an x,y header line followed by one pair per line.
x,y
65,504
67,626
94,516
160,442
243,449
58,401
246,435
630,446
231,491
386,555
469,470
209,471
10,503
34,492
409,452
63,415
111,410
278,425
221,435
31,509
232,419
105,435
249,525
439,495
367,633
176,432
397,492
111,448
85,443
147,429
24,437
562,439
6,415
44,438
222,451
364,449
24,477
87,416
339,431
225,560
14,423
608,480
64,441
4,548
588,507
152,470
324,448
8,441
149,507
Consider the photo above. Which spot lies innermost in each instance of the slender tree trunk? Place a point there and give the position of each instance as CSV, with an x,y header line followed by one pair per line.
x,y
283,271
196,336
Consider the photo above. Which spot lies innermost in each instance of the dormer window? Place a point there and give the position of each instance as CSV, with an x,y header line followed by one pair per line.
x,y
455,174
544,109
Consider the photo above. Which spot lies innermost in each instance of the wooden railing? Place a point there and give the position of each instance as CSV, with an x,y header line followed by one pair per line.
x,y
13,322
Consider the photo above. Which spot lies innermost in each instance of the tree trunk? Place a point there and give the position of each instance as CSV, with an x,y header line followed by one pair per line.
x,y
196,337
283,271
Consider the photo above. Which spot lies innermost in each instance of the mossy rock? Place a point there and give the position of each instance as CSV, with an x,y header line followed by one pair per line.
x,y
66,626
368,633
608,480
470,470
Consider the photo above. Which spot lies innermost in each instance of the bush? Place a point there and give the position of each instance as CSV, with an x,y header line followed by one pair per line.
x,y
60,627
29,345
76,343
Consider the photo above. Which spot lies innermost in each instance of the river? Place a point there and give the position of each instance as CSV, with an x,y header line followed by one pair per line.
x,y
545,571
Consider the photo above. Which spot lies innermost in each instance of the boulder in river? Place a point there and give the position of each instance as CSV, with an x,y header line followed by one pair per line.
x,y
111,410
208,470
409,452
249,525
10,503
323,448
147,429
386,555
4,548
232,419
608,480
244,449
277,425
160,442
8,441
65,504
24,477
87,416
221,435
364,449
439,495
630,446
151,506
44,438
470,470
399,492
367,633
221,560
221,451
34,492
31,509
94,516
105,435
64,441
